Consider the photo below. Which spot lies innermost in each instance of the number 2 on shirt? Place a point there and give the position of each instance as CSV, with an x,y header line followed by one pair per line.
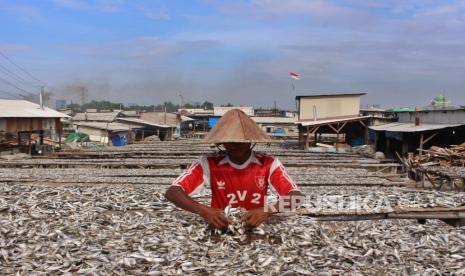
x,y
241,195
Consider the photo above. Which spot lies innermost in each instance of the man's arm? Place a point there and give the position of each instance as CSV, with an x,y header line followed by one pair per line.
x,y
213,216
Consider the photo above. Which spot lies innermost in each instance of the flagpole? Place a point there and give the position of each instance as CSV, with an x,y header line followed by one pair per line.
x,y
293,77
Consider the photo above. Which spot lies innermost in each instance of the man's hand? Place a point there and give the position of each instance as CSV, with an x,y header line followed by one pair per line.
x,y
215,217
255,217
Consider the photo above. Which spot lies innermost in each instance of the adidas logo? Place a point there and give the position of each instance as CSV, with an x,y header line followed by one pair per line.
x,y
221,185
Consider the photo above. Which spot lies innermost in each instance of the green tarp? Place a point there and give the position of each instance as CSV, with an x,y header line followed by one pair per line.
x,y
77,137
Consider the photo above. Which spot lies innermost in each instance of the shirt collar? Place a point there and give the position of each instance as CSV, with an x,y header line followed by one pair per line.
x,y
252,159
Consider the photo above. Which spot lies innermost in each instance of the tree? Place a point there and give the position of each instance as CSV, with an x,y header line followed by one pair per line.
x,y
207,105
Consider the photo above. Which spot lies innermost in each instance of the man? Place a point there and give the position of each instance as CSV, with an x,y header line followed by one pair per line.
x,y
237,176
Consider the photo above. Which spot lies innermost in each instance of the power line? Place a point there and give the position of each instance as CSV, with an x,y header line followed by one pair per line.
x,y
22,69
14,86
15,76
11,94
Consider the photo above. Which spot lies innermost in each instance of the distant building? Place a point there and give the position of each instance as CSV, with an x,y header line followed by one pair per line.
x,y
278,127
221,110
328,107
195,111
274,113
378,116
24,123
439,103
437,125
107,117
331,113
114,134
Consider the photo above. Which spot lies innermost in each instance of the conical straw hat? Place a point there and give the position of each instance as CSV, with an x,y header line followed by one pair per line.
x,y
236,127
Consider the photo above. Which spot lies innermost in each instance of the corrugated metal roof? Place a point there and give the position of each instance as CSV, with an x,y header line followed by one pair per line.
x,y
106,126
325,122
409,127
186,119
274,120
26,109
144,122
97,116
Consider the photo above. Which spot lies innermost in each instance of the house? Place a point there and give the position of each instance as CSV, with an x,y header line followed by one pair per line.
x,y
24,124
331,113
107,117
202,119
179,122
144,128
112,134
219,111
278,127
438,124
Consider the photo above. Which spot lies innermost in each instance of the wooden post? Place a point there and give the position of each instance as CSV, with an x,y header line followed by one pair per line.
x,y
29,142
41,137
422,178
59,136
306,139
404,146
388,145
143,135
337,138
367,136
316,138
422,137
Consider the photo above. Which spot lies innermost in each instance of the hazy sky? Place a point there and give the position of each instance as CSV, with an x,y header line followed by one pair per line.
x,y
400,52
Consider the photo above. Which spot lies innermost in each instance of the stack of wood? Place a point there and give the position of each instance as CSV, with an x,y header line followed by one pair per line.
x,y
453,156
438,165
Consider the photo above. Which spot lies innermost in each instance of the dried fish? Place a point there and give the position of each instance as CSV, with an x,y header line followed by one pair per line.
x,y
97,221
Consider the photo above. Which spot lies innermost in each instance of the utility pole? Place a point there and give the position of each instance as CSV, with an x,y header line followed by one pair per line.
x,y
165,113
41,97
182,101
83,94
275,110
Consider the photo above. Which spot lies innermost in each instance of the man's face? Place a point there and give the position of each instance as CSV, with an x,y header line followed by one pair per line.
x,y
237,149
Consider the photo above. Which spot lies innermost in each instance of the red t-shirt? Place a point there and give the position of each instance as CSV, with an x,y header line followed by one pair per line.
x,y
244,185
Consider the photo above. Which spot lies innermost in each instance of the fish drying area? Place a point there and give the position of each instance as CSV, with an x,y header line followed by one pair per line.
x,y
102,211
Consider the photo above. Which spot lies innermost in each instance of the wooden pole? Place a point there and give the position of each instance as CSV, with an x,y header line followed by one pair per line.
x,y
421,143
59,136
29,142
306,139
388,145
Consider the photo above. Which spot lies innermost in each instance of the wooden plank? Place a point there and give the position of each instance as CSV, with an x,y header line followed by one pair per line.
x,y
352,218
428,215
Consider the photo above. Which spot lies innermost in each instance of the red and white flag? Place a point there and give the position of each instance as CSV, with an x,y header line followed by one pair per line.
x,y
294,75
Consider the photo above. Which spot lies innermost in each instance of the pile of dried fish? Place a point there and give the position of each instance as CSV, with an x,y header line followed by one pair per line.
x,y
126,229
165,176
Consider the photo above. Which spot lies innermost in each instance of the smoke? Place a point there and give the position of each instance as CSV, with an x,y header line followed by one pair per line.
x,y
83,91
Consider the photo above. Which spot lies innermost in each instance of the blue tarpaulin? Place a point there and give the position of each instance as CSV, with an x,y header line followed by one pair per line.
x,y
119,140
212,121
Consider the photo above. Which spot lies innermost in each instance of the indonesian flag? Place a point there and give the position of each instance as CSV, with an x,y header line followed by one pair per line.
x,y
294,75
